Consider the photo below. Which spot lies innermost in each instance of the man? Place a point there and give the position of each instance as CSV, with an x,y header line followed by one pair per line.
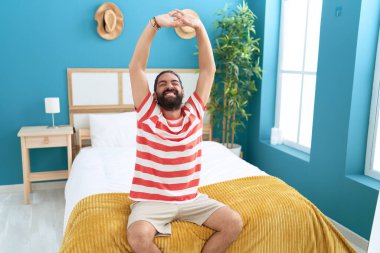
x,y
165,183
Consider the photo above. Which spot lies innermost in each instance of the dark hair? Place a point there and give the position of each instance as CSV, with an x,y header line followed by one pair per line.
x,y
164,72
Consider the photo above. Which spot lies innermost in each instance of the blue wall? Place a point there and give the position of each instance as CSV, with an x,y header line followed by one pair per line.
x,y
41,39
332,175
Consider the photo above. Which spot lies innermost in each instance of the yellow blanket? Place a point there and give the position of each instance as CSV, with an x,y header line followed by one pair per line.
x,y
276,219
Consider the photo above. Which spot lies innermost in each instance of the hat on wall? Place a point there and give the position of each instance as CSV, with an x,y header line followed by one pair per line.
x,y
110,21
187,32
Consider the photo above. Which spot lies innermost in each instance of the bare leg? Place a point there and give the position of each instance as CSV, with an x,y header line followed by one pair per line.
x,y
140,237
228,224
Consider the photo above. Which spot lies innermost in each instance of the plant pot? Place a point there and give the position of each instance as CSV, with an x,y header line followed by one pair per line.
x,y
236,148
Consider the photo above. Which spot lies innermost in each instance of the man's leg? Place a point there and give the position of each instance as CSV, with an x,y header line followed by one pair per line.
x,y
228,224
140,237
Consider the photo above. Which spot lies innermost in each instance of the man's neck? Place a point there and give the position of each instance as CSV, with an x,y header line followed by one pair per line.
x,y
171,114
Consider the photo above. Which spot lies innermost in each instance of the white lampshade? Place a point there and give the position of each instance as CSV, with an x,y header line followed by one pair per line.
x,y
52,105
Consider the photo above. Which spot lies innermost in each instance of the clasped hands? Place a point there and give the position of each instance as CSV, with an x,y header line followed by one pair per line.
x,y
177,18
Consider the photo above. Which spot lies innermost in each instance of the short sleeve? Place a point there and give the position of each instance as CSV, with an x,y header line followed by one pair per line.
x,y
195,104
146,108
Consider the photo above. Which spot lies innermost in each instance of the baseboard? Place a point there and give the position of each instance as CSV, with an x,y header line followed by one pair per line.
x,y
358,242
35,186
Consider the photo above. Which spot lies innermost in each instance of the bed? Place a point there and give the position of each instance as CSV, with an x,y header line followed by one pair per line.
x,y
276,217
107,170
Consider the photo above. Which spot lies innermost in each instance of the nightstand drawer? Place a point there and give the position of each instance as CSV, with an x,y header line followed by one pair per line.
x,y
46,141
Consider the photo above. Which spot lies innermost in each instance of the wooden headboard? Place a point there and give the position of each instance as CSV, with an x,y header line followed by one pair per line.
x,y
108,90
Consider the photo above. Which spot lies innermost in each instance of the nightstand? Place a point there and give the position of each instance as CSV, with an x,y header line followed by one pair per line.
x,y
207,130
43,137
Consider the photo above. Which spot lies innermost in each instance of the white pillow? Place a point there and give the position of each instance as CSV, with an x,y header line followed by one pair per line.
x,y
113,129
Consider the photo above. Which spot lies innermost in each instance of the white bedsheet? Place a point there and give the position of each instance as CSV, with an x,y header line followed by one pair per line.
x,y
106,170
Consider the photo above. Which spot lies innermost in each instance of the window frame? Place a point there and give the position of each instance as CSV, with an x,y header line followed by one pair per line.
x,y
373,131
279,83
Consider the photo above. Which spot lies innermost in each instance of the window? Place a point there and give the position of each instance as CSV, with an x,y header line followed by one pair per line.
x,y
372,166
297,70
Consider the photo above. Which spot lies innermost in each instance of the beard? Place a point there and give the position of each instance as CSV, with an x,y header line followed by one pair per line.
x,y
170,103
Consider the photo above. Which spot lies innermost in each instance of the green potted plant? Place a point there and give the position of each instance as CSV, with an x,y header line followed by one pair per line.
x,y
237,65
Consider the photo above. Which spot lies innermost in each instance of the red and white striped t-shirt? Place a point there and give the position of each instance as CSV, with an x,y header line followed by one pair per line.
x,y
168,153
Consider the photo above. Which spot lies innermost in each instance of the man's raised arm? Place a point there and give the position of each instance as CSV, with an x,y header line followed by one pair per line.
x,y
137,66
206,64
139,82
206,57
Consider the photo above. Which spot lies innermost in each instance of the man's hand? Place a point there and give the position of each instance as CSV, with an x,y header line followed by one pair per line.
x,y
166,20
186,20
177,18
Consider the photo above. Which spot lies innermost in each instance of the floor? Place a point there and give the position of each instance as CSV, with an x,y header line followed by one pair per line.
x,y
31,228
37,227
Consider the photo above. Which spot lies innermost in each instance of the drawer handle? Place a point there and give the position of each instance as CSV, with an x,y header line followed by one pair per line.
x,y
46,140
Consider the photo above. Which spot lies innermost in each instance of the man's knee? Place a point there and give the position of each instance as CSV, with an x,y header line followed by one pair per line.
x,y
234,224
140,235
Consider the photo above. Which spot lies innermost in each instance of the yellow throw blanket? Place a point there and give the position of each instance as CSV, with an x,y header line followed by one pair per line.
x,y
276,219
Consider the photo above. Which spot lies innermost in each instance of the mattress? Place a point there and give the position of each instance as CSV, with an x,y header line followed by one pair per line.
x,y
110,170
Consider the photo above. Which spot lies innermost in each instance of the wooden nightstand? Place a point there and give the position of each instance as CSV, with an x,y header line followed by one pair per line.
x,y
43,137
207,130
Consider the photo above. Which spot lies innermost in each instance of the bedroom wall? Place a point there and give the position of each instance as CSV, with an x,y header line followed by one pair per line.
x,y
332,175
41,39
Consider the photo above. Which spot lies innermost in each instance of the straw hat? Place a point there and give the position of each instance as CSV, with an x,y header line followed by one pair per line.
x,y
187,32
110,21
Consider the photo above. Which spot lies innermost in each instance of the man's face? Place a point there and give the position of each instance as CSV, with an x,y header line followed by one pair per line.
x,y
169,93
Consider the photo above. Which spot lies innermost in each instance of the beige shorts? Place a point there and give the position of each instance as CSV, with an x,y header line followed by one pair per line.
x,y
160,214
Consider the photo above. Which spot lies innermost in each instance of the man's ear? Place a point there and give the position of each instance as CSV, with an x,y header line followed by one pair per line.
x,y
155,96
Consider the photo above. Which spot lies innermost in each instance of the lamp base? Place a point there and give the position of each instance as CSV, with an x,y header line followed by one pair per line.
x,y
53,126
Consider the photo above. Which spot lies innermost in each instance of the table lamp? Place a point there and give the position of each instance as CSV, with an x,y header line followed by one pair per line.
x,y
52,106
